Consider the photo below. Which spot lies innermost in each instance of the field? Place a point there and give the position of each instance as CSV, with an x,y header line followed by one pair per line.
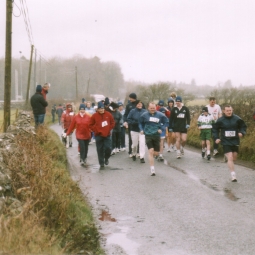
x,y
200,101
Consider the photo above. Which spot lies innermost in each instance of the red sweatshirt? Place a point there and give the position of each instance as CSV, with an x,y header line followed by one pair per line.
x,y
82,127
102,124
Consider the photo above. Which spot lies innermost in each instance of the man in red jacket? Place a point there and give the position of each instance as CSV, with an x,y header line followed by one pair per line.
x,y
101,123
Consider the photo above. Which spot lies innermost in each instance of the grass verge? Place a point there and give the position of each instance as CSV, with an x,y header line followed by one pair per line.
x,y
53,217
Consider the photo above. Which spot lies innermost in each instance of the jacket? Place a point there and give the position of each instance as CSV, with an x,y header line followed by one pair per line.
x,y
227,128
151,123
81,124
133,119
129,107
67,117
117,119
38,104
102,124
179,118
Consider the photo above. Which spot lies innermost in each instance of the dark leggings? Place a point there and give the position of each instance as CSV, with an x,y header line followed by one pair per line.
x,y
83,144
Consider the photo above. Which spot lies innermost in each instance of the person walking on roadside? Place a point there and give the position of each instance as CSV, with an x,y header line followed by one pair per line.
x,y
123,129
80,122
204,123
152,123
53,112
90,110
101,123
131,105
136,136
170,135
215,110
59,112
66,119
228,130
179,124
38,104
116,130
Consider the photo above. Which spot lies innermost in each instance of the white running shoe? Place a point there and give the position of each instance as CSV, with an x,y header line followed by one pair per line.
x,y
153,172
215,152
117,150
182,151
168,150
178,155
233,177
113,152
160,158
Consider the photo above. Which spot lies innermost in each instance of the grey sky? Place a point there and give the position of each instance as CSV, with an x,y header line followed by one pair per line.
x,y
164,40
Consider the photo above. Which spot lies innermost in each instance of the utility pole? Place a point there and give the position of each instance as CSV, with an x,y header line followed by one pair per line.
x,y
76,80
34,73
40,74
8,68
29,74
20,67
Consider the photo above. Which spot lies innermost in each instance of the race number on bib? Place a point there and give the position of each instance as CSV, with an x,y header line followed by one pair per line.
x,y
152,119
230,133
104,123
180,115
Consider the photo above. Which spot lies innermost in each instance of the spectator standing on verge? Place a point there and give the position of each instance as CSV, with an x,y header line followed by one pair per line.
x,y
152,123
66,120
136,136
215,110
101,123
80,122
39,105
204,123
179,124
59,112
232,128
45,89
123,129
131,105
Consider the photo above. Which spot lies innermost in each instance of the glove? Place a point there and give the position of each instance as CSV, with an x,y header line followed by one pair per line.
x,y
170,130
64,135
187,126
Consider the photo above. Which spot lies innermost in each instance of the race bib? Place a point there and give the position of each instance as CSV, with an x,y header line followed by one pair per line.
x,y
152,119
71,113
180,115
104,123
230,133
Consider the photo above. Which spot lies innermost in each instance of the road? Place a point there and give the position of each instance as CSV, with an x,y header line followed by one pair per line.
x,y
189,208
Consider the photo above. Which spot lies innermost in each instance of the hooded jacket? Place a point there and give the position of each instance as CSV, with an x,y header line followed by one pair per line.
x,y
133,119
102,124
38,104
67,117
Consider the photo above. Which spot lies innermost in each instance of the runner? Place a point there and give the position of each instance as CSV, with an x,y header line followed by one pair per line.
x,y
179,124
152,123
232,128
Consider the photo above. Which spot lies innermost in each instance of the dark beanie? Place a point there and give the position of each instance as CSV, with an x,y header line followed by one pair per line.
x,y
133,95
178,99
161,102
82,106
100,105
205,109
39,88
106,101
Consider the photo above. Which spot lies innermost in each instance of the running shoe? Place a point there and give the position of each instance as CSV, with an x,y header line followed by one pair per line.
x,y
113,152
182,151
208,157
233,178
168,150
178,155
215,152
134,158
106,161
203,154
117,150
142,160
153,172
160,158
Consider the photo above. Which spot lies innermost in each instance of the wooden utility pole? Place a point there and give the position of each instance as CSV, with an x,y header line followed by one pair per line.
x,y
29,73
8,64
76,80
34,74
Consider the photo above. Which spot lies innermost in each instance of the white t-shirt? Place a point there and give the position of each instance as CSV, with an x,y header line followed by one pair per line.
x,y
215,111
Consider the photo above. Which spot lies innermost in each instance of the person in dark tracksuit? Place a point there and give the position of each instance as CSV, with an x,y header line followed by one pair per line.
x,y
39,105
228,130
101,123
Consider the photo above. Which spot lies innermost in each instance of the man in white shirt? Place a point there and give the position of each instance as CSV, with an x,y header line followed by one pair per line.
x,y
215,110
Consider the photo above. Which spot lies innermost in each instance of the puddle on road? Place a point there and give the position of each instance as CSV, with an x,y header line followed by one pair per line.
x,y
226,192
105,216
120,239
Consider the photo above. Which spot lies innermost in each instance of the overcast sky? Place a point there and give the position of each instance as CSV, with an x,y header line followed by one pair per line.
x,y
152,40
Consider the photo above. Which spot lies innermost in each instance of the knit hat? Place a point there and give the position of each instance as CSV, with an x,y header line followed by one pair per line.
x,y
170,99
120,103
82,106
100,105
178,99
161,102
39,88
205,109
133,95
162,109
106,101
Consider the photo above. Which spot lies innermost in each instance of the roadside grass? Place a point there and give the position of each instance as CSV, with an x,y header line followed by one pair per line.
x,y
14,113
55,217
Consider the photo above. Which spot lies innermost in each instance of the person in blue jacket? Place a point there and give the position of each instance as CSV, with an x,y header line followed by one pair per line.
x,y
152,123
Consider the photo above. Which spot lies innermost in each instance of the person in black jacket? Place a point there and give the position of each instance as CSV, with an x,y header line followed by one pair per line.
x,y
39,105
228,130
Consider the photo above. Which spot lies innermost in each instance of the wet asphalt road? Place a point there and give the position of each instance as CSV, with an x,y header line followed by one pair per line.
x,y
189,208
